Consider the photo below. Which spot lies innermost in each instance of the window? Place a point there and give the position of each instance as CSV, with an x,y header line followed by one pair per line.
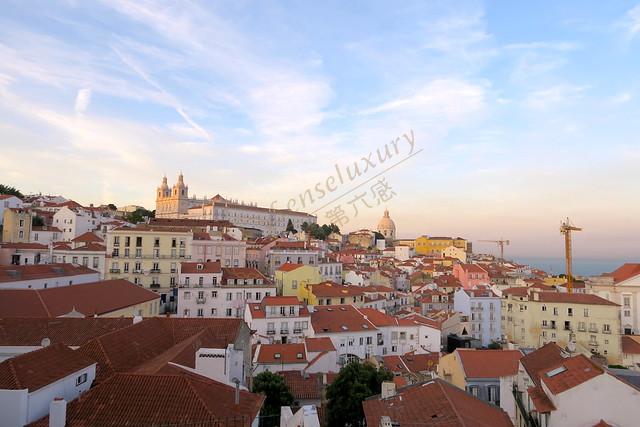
x,y
187,295
127,241
626,301
229,312
186,312
214,311
214,294
229,296
294,284
586,312
96,262
139,241
570,312
555,311
81,379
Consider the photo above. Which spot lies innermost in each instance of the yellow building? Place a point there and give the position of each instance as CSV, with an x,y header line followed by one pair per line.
x,y
554,281
467,368
16,226
531,318
291,277
329,293
147,256
455,252
427,245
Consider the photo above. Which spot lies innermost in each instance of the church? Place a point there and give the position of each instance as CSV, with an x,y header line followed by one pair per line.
x,y
174,202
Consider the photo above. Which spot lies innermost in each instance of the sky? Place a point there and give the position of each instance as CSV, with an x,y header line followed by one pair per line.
x,y
520,114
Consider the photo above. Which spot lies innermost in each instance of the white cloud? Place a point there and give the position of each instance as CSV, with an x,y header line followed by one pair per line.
x,y
560,46
621,98
631,22
83,98
554,96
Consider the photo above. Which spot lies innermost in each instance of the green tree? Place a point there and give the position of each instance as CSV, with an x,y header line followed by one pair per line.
x,y
355,382
112,207
305,226
277,394
139,215
494,346
290,228
37,221
5,189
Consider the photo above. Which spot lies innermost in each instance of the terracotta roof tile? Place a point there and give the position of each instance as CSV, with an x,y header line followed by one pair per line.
x,y
330,289
280,300
212,267
319,344
412,363
287,266
14,273
631,344
434,403
281,353
39,368
90,299
339,318
31,245
626,271
87,237
242,273
540,400
544,357
574,298
489,363
306,387
176,397
569,373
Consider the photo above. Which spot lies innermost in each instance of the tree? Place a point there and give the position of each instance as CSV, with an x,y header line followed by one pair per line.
x,y
112,207
5,189
290,228
355,382
277,394
494,346
139,215
305,226
37,221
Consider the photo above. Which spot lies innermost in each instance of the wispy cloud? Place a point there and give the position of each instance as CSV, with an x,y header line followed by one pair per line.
x,y
555,96
631,22
83,98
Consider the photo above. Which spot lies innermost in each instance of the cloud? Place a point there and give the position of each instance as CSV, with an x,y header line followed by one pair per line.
x,y
83,98
631,22
560,46
554,96
621,98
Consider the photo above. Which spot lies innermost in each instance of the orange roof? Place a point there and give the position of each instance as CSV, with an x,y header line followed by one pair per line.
x,y
280,300
412,363
339,318
90,299
434,403
473,268
211,267
8,196
306,386
281,353
315,345
541,359
289,267
16,273
569,373
489,363
31,245
40,368
87,238
624,272
540,400
242,273
331,289
574,298
134,399
630,344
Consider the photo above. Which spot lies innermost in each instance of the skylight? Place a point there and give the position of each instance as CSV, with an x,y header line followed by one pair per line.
x,y
556,371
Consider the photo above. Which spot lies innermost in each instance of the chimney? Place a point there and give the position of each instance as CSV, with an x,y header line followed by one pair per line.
x,y
324,378
388,389
137,319
237,399
58,412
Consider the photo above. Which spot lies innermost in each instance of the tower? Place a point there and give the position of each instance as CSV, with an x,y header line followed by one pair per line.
x,y
387,228
174,202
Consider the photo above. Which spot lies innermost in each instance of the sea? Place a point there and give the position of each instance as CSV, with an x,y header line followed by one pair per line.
x,y
581,266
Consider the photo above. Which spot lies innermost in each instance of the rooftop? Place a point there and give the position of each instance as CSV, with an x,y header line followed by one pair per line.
x,y
489,363
212,267
16,273
281,353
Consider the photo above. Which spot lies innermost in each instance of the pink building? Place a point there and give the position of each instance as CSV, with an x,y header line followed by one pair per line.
x,y
471,275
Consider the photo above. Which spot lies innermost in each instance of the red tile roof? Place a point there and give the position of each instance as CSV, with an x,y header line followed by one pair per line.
x,y
40,368
242,273
339,318
331,289
306,386
71,331
32,245
630,344
270,354
489,363
574,298
473,268
90,247
434,403
14,273
544,357
280,300
626,271
8,196
412,363
569,373
97,298
212,267
316,345
175,397
87,237
286,267
540,400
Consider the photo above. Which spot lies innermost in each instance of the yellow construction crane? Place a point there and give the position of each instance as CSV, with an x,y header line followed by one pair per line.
x,y
566,228
501,243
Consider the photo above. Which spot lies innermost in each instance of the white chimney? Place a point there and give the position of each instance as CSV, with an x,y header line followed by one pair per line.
x,y
137,319
58,412
388,389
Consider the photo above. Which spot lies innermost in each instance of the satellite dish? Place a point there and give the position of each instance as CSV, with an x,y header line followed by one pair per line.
x,y
46,342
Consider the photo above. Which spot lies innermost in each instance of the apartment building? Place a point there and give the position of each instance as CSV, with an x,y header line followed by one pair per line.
x,y
280,319
483,308
208,290
585,323
621,286
16,225
148,256
290,252
290,277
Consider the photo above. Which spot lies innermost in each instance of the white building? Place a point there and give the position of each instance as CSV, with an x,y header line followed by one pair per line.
x,y
90,255
204,291
284,252
281,319
484,310
7,201
43,276
403,252
74,222
311,356
31,381
45,234
330,271
219,246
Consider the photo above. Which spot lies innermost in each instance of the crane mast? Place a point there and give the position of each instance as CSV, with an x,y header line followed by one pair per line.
x,y
566,228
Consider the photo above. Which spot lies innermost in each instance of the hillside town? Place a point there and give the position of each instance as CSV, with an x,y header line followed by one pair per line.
x,y
219,312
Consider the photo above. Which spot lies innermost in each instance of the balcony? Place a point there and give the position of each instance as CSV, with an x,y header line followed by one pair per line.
x,y
201,300
582,329
594,330
271,332
137,271
297,331
284,332
154,270
114,270
606,331
593,344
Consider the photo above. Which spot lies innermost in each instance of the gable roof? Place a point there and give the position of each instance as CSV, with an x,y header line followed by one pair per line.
x,y
288,266
306,386
211,267
412,363
631,344
625,271
339,318
88,237
71,331
544,357
319,344
434,403
569,373
90,299
574,298
175,397
36,369
16,273
281,353
489,363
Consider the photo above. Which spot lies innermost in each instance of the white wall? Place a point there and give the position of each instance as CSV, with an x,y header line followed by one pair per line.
x,y
13,408
507,401
328,362
11,202
249,294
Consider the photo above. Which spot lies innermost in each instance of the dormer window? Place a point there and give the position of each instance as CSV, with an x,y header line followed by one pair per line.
x,y
199,266
276,356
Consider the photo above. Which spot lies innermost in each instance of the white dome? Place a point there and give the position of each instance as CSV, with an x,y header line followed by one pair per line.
x,y
386,226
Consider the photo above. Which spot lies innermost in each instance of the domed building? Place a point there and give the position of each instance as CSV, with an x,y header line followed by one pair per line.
x,y
387,228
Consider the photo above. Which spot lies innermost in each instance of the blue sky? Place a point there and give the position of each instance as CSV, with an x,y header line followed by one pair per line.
x,y
526,112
